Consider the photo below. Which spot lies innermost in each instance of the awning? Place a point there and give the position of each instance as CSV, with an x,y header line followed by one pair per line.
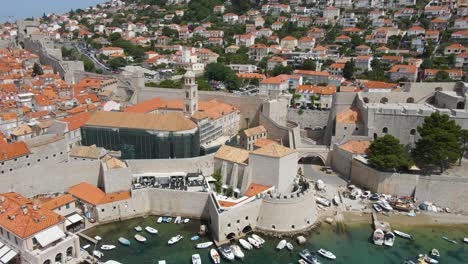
x,y
9,256
4,250
49,235
74,218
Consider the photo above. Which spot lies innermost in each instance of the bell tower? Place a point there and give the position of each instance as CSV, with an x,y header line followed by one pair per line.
x,y
190,94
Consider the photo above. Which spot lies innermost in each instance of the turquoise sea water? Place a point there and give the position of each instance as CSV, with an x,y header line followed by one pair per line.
x,y
351,246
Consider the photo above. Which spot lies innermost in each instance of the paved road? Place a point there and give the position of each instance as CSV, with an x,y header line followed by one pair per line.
x,y
92,57
313,172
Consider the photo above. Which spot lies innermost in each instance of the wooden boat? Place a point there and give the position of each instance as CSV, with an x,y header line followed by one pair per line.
x,y
246,245
98,254
254,242
450,240
258,238
402,234
174,240
378,237
204,245
327,254
281,244
196,259
215,256
138,228
226,252
237,251
389,239
309,257
151,230
140,238
107,247
289,246
124,241
160,220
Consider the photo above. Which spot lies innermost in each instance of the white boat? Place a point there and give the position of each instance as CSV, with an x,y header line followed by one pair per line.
x,y
258,238
237,251
385,205
378,237
450,240
178,220
246,245
124,241
226,252
111,262
377,208
98,254
430,260
186,220
254,242
289,246
161,262
160,219
151,230
281,244
326,253
465,239
168,220
140,238
86,246
402,234
323,201
308,257
196,259
97,238
435,253
174,240
389,239
107,247
204,245
138,228
336,200
215,256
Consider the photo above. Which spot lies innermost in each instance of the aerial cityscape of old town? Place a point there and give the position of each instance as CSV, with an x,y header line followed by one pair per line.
x,y
254,131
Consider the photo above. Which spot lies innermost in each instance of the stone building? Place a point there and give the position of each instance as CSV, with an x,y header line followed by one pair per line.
x,y
250,135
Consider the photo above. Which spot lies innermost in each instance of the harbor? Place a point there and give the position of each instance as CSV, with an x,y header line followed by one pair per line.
x,y
350,245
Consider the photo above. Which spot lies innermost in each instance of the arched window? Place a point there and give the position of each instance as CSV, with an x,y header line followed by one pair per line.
x,y
461,105
412,132
384,100
385,130
46,262
70,252
410,100
375,136
58,258
366,100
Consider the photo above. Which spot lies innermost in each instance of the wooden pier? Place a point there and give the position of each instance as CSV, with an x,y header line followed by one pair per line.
x,y
384,226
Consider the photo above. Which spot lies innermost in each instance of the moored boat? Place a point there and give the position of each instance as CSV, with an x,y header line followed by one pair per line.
x,y
237,251
254,242
258,238
204,245
309,257
246,245
402,234
428,259
168,220
378,237
140,238
327,254
194,238
281,244
226,252
385,205
178,220
435,253
289,246
174,240
160,220
215,256
107,247
196,259
97,238
389,239
450,240
465,239
124,241
186,220
86,246
336,200
377,208
98,254
151,230
323,201
138,228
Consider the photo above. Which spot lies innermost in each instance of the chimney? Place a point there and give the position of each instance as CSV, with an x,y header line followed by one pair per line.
x,y
25,210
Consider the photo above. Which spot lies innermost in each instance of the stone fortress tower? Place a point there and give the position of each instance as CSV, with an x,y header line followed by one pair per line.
x,y
190,94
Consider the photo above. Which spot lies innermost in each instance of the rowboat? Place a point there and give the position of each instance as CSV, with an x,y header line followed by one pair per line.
x,y
246,245
402,234
107,247
194,238
151,230
140,238
215,256
326,253
289,246
160,219
124,241
174,240
204,245
186,220
196,259
97,238
138,228
281,244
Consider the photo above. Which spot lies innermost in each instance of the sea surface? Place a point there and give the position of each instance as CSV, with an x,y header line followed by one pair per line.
x,y
351,246
12,10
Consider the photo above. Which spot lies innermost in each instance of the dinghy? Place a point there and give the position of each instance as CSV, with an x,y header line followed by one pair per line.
x,y
194,238
98,238
86,246
151,230
289,246
281,244
226,252
107,247
389,239
140,238
124,241
160,219
186,220
174,240
204,245
326,253
138,228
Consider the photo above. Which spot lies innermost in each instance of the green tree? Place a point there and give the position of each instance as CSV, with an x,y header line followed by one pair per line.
x,y
116,63
464,144
218,180
309,64
37,70
170,84
440,142
280,69
387,154
442,76
222,73
349,69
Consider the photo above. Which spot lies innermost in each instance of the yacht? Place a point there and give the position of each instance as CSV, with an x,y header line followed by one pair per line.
x,y
309,257
174,240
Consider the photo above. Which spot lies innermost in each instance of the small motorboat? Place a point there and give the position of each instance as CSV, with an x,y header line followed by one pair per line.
x,y
377,208
138,228
246,245
289,246
168,220
336,200
226,252
86,246
435,253
98,254
385,205
281,244
124,241
258,238
309,257
254,242
186,220
428,259
403,234
174,240
215,256
449,240
237,251
366,194
107,247
160,220
195,238
204,245
327,254
301,261
140,238
465,240
162,262
151,230
97,238
178,220
196,259
374,197
323,201
378,237
389,239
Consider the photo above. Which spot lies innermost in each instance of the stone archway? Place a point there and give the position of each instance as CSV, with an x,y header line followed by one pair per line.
x,y
312,159
247,229
231,236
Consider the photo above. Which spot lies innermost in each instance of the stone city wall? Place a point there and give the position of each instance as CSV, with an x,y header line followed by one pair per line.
x,y
444,191
309,118
203,164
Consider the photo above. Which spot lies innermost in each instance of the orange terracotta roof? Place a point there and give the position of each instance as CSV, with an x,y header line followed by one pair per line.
x,y
95,196
58,201
76,121
306,72
255,189
262,142
379,85
324,90
13,150
356,146
350,116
